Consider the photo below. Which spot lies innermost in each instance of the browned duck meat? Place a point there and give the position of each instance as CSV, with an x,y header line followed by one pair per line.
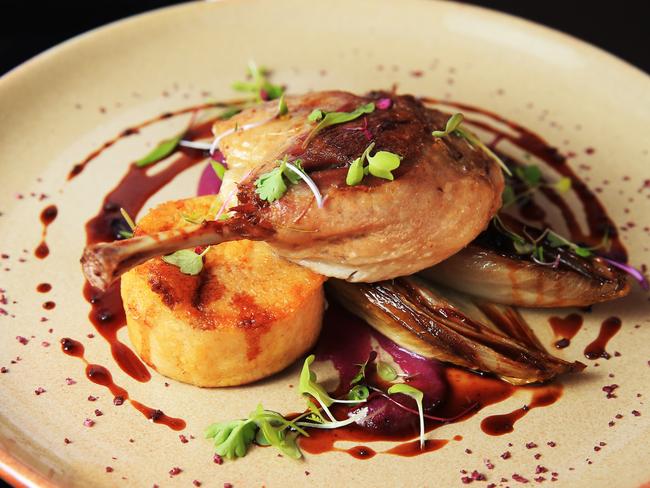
x,y
497,268
444,192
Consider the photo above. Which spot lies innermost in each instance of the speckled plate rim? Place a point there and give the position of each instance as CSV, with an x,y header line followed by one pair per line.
x,y
18,474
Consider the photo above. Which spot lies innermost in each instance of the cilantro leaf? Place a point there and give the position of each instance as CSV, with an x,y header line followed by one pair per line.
x,y
160,152
386,372
232,439
187,261
418,396
327,119
271,186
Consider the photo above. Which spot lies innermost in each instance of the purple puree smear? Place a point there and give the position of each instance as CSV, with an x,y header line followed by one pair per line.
x,y
346,341
209,183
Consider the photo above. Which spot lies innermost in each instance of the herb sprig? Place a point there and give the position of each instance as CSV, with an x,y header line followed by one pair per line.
x,y
381,165
187,261
259,85
327,119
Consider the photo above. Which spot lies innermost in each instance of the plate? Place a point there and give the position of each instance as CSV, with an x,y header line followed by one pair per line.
x,y
65,103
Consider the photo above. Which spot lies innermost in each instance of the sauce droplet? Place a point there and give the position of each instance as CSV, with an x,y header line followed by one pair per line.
x,y
608,329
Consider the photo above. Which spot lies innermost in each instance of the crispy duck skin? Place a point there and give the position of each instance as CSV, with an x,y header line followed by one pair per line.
x,y
444,194
490,268
479,336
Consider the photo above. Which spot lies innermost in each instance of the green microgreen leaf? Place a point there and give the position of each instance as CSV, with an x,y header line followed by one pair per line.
x,y
358,393
160,152
125,234
418,396
382,164
452,124
308,385
327,119
523,247
282,107
232,439
218,168
529,174
508,196
187,261
355,172
315,115
258,84
583,252
195,218
473,139
563,185
386,372
361,375
273,185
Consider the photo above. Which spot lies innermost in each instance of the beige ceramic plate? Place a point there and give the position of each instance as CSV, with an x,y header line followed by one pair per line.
x,y
60,106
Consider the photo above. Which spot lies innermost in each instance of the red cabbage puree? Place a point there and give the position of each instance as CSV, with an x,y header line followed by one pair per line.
x,y
209,182
346,341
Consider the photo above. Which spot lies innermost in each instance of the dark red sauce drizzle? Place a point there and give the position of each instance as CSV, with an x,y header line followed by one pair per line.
x,y
102,376
565,328
608,329
48,215
43,287
598,221
465,388
131,193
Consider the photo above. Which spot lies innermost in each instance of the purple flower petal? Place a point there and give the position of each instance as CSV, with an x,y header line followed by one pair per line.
x,y
209,182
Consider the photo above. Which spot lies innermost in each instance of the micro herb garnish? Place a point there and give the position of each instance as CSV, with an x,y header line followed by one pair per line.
x,y
358,393
454,126
161,151
531,177
189,262
232,439
127,234
327,119
386,372
259,85
380,165
418,396
219,169
309,385
272,186
282,107
361,375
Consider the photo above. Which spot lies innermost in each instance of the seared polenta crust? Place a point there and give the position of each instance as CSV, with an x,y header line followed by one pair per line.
x,y
245,316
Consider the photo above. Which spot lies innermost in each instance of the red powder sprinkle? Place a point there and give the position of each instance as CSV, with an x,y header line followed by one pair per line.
x,y
540,469
476,476
537,455
416,73
22,340
4,370
183,439
611,423
92,398
540,479
466,480
519,478
40,390
67,441
506,455
531,445
70,381
118,400
492,485
554,474
45,344
90,336
227,485
609,389
89,422
618,416
217,459
109,469
98,412
602,444
488,464
636,413
174,471
307,473
468,451
196,483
